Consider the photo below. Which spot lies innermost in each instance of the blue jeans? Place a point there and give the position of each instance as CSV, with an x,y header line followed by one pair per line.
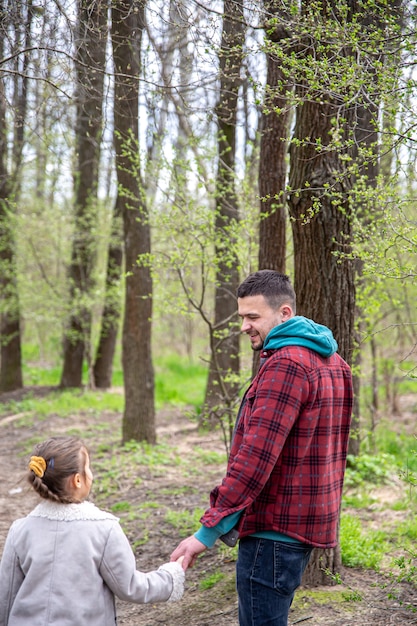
x,y
267,575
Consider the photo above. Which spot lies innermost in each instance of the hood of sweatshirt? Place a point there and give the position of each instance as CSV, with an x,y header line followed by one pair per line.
x,y
301,331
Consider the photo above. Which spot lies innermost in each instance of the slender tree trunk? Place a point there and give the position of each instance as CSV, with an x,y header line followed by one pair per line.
x,y
103,366
139,412
274,127
10,334
11,376
91,48
273,157
222,387
365,136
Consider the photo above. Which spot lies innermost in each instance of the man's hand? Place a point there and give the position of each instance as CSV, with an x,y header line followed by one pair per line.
x,y
189,548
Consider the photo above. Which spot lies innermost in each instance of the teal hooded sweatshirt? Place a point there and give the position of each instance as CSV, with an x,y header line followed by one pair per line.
x,y
301,331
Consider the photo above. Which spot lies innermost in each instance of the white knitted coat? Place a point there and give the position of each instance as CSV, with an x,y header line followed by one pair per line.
x,y
63,564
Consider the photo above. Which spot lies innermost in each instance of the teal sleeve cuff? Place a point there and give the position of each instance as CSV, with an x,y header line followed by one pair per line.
x,y
208,536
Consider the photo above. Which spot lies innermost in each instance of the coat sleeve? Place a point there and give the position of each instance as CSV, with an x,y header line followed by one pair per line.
x,y
118,569
11,577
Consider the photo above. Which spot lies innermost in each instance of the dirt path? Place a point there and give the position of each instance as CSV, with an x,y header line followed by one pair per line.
x,y
154,539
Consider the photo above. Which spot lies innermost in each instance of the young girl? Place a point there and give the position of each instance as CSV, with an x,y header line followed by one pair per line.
x,y
66,561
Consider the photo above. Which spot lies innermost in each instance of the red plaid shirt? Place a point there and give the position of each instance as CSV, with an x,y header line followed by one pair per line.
x,y
288,454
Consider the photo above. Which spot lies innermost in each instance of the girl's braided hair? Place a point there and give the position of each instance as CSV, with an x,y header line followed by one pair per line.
x,y
51,465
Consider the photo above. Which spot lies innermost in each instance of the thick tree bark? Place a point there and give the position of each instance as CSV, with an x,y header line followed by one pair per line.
x,y
221,391
323,276
139,412
323,280
321,219
322,207
91,48
322,567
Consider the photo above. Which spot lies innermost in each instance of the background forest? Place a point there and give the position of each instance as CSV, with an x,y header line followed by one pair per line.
x,y
153,153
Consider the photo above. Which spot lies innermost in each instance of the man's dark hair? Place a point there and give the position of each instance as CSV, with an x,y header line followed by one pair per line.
x,y
275,287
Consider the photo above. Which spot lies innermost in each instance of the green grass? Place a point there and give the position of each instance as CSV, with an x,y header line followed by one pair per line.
x,y
185,522
369,468
122,506
178,382
209,457
36,370
407,530
66,402
142,453
210,581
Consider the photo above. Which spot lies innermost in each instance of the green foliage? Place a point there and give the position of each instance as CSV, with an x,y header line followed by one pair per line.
x,y
405,569
353,595
359,498
360,547
141,542
37,371
367,468
398,445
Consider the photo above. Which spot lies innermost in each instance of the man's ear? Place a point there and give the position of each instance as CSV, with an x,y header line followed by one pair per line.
x,y
286,312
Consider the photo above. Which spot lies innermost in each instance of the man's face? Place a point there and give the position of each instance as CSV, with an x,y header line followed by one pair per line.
x,y
258,318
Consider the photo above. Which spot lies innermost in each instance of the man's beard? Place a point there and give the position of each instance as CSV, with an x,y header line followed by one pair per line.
x,y
258,347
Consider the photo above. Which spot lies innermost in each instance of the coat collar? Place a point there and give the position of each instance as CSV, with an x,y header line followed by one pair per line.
x,y
70,512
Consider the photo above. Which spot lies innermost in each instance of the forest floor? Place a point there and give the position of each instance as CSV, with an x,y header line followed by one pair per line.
x,y
152,496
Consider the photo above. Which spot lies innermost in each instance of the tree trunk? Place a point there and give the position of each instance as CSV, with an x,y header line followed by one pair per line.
x,y
139,412
273,160
90,64
321,222
322,227
274,127
323,281
10,335
365,137
11,376
103,366
322,567
222,386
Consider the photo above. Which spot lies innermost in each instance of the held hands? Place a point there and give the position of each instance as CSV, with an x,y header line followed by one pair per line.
x,y
187,551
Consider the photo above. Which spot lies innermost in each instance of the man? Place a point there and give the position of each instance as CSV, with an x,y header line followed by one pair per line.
x,y
283,485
